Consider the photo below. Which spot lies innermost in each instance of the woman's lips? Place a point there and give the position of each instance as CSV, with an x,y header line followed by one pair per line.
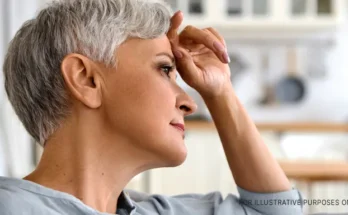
x,y
179,126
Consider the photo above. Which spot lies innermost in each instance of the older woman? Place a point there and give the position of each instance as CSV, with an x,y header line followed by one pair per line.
x,y
94,83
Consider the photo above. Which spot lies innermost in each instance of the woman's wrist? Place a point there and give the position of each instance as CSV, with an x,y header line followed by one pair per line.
x,y
226,94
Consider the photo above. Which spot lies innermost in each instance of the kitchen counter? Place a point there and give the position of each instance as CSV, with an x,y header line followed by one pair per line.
x,y
279,127
315,170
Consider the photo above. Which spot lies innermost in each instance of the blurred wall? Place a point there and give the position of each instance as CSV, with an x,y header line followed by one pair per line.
x,y
14,140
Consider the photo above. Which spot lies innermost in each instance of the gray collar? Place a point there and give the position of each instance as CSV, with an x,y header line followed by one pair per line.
x,y
125,205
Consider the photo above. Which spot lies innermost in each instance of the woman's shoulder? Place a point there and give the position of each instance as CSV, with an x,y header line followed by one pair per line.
x,y
9,192
19,196
13,200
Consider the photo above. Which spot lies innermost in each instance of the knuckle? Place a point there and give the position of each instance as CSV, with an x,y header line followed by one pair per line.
x,y
188,28
207,37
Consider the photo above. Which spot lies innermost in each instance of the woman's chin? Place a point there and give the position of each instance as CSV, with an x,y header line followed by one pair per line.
x,y
177,157
167,152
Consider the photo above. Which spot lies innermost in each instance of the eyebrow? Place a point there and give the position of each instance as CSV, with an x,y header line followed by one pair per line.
x,y
168,55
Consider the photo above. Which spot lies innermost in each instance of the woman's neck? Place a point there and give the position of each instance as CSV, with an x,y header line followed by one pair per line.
x,y
88,167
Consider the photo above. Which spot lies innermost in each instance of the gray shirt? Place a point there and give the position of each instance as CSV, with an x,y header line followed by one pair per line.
x,y
19,197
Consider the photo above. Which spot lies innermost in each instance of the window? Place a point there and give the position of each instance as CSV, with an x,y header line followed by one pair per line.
x,y
324,7
298,7
260,7
195,7
234,7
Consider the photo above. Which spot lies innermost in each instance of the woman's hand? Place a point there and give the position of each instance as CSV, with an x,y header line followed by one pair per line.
x,y
205,69
201,58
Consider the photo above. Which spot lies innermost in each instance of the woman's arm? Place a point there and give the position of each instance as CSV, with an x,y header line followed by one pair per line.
x,y
252,165
201,59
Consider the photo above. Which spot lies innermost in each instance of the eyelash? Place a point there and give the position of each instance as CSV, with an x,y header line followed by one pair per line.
x,y
168,68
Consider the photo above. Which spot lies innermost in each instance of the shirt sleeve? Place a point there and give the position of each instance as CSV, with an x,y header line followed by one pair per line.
x,y
248,203
280,203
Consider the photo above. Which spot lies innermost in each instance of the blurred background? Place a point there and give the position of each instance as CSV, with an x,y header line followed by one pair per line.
x,y
289,69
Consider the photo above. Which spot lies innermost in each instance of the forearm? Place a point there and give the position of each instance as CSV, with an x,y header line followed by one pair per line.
x,y
252,165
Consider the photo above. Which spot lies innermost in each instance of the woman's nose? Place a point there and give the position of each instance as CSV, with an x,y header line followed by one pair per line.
x,y
186,104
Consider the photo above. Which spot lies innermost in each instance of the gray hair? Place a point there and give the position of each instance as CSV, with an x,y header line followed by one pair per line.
x,y
94,28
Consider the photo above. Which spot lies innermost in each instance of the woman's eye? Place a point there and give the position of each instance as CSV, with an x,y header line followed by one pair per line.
x,y
167,69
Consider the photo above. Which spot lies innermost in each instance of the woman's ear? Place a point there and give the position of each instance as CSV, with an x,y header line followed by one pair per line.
x,y
82,79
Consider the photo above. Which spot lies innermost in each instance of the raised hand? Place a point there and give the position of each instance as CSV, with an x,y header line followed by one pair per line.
x,y
201,57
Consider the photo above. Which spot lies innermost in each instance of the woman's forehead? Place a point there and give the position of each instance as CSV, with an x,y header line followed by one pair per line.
x,y
144,47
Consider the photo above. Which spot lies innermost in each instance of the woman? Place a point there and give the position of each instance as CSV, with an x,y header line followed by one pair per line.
x,y
94,83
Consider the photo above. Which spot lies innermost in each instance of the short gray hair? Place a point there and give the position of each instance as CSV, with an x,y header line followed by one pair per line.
x,y
94,28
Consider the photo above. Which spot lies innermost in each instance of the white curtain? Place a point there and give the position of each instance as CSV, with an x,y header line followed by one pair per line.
x,y
15,144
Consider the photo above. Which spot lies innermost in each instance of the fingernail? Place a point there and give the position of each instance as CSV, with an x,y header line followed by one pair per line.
x,y
219,47
177,53
226,57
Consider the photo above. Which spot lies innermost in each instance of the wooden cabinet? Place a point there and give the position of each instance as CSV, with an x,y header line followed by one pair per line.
x,y
314,8
264,15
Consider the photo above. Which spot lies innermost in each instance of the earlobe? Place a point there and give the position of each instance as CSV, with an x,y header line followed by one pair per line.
x,y
82,79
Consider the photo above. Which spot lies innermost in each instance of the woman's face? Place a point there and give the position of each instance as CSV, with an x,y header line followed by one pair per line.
x,y
141,101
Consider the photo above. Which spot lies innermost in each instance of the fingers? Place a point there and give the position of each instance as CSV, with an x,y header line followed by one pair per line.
x,y
217,35
175,23
194,47
206,38
185,64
